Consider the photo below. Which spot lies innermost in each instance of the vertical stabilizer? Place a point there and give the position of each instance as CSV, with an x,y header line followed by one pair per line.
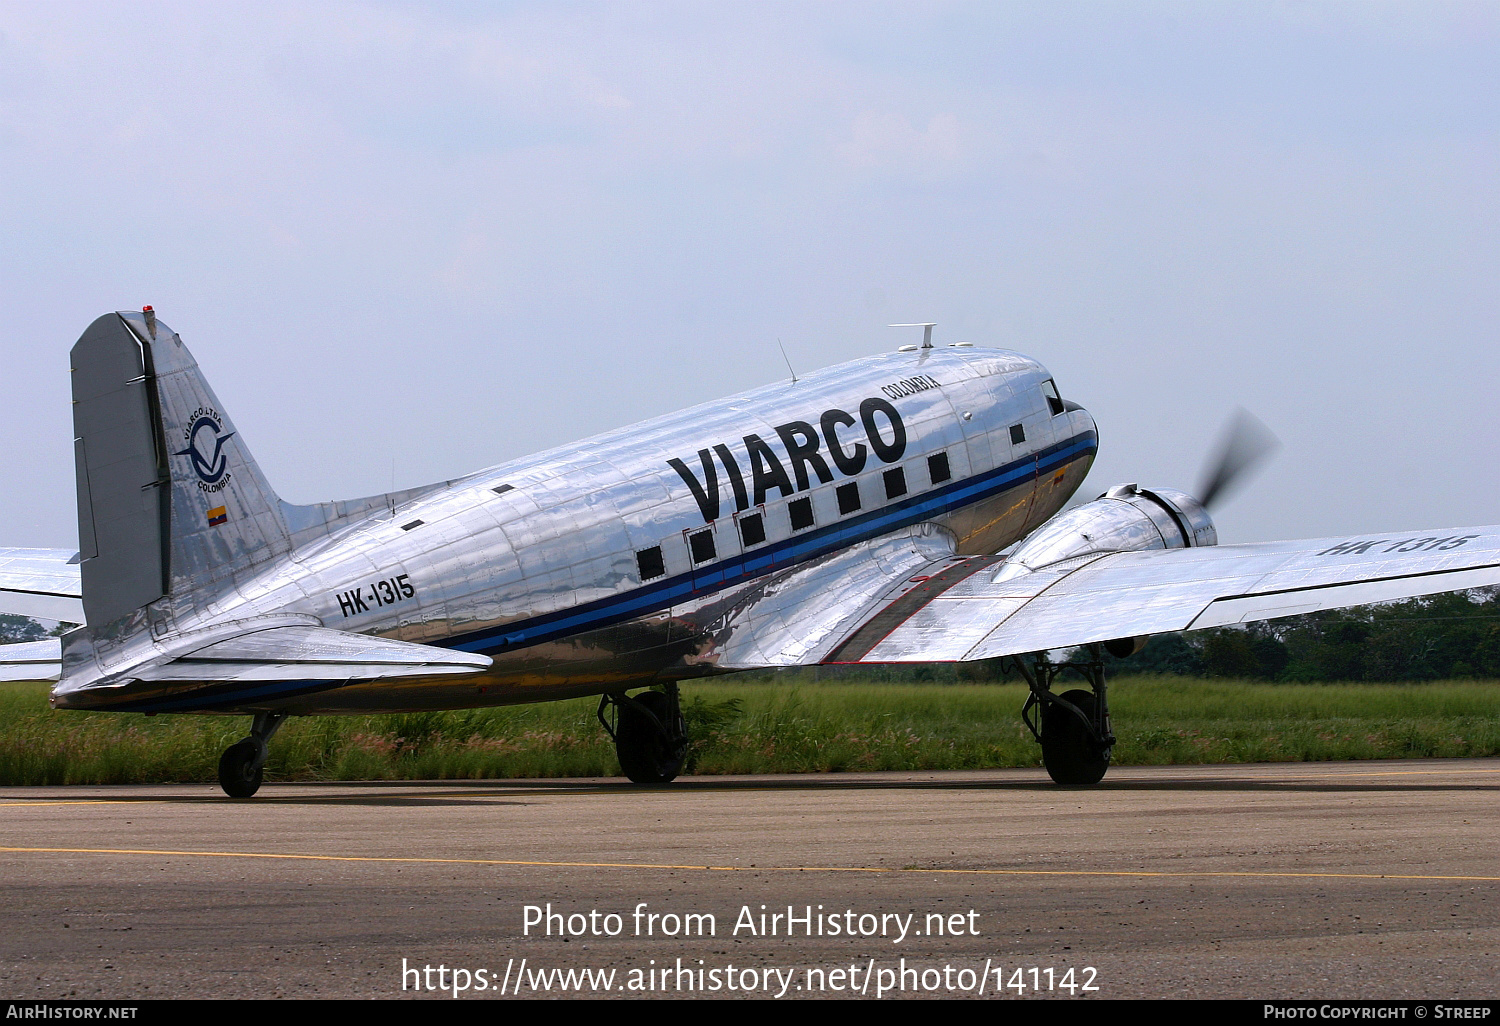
x,y
170,501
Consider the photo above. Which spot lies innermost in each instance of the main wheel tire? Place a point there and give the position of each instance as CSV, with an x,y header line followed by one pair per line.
x,y
646,757
236,775
1069,753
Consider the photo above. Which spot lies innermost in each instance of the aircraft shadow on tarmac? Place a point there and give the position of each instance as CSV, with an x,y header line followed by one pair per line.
x,y
516,792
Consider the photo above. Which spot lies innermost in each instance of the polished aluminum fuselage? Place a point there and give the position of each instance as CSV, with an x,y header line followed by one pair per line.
x,y
545,564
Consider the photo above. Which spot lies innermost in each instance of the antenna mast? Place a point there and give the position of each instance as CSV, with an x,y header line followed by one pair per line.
x,y
787,359
926,334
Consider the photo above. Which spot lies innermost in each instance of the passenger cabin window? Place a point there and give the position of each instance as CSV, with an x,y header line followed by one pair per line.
x,y
848,496
1017,434
649,563
937,468
802,514
702,546
895,483
752,529
1049,389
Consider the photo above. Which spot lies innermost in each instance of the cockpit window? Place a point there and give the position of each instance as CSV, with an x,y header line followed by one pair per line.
x,y
1049,389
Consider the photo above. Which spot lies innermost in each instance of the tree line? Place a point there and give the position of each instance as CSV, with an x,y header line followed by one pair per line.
x,y
14,629
1437,637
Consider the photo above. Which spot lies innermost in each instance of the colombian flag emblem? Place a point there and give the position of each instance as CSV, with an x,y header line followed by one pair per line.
x,y
217,516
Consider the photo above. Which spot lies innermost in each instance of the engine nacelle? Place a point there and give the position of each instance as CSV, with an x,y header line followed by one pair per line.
x,y
1124,519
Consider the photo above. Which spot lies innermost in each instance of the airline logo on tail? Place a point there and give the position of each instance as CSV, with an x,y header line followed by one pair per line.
x,y
205,448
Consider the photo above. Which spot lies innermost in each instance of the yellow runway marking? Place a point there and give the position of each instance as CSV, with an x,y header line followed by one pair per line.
x,y
734,869
82,801
1404,773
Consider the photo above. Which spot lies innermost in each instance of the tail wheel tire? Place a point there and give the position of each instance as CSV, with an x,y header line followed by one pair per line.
x,y
238,774
1070,754
646,756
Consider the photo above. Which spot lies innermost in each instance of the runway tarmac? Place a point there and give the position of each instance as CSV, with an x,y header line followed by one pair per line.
x,y
1328,880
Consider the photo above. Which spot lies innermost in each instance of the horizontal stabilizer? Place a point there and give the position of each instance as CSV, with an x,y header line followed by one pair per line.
x,y
316,653
41,582
31,660
255,652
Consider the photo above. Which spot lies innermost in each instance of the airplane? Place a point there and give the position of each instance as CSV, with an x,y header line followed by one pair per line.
x,y
902,507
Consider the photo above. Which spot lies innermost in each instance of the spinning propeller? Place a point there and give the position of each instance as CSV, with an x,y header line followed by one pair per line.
x,y
1244,443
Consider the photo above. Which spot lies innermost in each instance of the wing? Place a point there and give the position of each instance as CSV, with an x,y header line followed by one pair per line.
x,y
41,582
795,617
979,608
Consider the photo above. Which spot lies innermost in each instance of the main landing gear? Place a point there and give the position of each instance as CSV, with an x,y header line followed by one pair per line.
x,y
1074,731
649,732
243,764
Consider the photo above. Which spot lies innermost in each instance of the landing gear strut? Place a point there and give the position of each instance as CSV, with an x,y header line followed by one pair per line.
x,y
1074,731
649,732
243,764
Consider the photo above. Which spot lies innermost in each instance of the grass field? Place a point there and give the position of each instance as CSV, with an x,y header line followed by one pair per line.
x,y
791,725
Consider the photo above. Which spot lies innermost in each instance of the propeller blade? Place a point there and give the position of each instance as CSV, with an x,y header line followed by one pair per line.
x,y
1244,443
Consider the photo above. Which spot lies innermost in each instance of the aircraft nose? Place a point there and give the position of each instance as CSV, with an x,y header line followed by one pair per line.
x,y
1082,419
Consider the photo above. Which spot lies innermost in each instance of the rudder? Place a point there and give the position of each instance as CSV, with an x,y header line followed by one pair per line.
x,y
119,460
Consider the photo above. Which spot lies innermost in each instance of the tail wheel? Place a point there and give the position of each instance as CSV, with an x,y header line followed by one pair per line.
x,y
1069,750
239,775
647,753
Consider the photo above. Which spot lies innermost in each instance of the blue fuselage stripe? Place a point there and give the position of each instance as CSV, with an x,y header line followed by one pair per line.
x,y
788,552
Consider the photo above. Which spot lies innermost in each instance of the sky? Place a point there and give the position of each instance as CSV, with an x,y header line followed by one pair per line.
x,y
406,241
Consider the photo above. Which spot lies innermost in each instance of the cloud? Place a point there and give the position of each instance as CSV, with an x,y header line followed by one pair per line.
x,y
890,141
